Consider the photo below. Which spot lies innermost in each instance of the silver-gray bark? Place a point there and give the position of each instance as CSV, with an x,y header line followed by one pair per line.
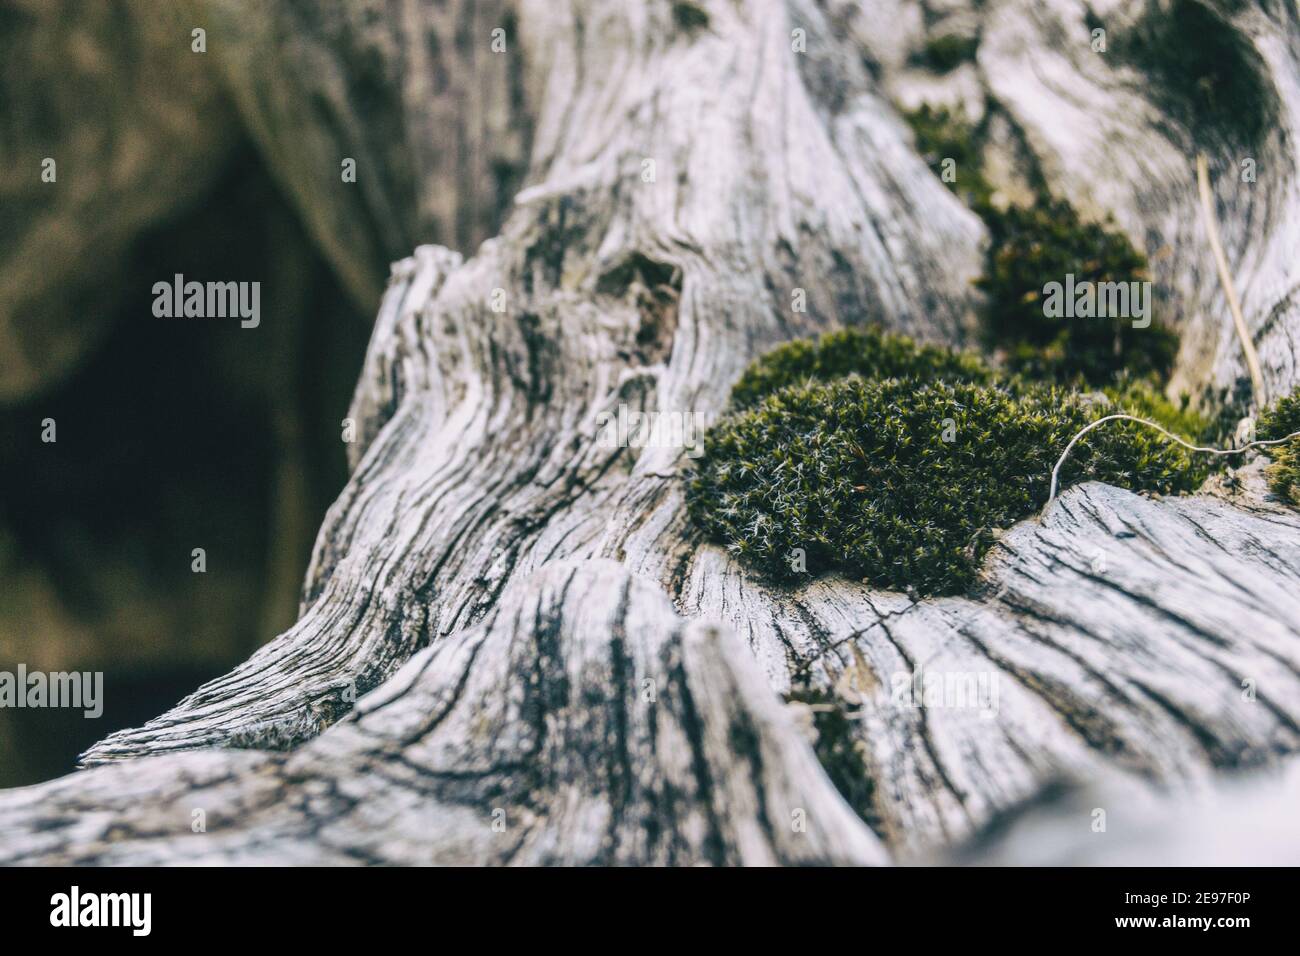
x,y
512,645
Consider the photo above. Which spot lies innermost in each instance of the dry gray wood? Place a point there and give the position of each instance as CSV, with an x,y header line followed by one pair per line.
x,y
478,457
494,578
1250,822
1117,133
436,122
582,722
1121,635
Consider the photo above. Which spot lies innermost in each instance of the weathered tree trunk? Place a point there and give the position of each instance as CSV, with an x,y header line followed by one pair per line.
x,y
547,663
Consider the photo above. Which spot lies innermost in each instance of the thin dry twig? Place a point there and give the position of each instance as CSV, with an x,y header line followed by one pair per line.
x,y
1225,277
1164,431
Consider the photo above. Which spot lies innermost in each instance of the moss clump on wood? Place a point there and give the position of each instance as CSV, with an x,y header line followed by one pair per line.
x,y
840,752
1202,72
1043,243
1283,419
869,351
945,53
1141,398
690,16
905,482
1036,244
865,453
942,134
1284,473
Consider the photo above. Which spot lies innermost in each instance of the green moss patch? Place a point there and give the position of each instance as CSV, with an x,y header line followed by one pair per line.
x,y
1040,244
1139,397
865,453
839,752
869,351
1282,419
946,52
1284,473
943,134
904,482
690,16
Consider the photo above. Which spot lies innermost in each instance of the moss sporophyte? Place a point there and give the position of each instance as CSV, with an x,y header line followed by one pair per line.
x,y
897,463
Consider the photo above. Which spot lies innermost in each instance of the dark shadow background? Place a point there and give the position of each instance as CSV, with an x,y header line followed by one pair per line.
x,y
174,434
220,159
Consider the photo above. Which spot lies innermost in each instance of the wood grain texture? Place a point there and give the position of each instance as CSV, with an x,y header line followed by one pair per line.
x,y
583,722
478,457
1117,132
437,122
495,579
1113,635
